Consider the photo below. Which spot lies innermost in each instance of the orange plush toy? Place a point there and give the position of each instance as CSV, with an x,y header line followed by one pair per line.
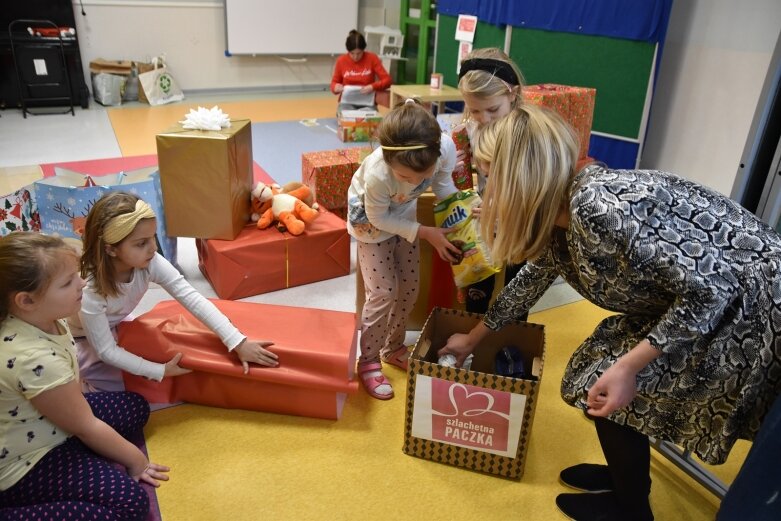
x,y
291,206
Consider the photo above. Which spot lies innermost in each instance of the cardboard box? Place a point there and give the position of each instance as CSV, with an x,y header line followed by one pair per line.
x,y
329,173
316,350
471,418
574,104
206,177
259,261
437,287
351,127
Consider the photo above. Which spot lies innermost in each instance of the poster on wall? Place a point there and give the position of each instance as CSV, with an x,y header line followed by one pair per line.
x,y
464,48
465,35
465,28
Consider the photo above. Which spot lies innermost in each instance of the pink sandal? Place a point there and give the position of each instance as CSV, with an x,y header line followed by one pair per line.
x,y
398,358
371,383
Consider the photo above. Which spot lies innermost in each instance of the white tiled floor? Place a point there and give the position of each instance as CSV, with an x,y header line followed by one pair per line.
x,y
89,135
56,137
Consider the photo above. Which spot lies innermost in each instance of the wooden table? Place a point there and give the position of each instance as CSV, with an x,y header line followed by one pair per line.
x,y
425,94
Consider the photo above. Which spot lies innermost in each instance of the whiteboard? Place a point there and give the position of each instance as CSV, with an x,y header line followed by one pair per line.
x,y
289,26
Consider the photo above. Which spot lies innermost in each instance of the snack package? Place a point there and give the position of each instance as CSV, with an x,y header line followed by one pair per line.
x,y
455,212
462,175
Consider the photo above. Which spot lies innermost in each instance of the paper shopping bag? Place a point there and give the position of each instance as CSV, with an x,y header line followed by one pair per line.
x,y
160,87
66,198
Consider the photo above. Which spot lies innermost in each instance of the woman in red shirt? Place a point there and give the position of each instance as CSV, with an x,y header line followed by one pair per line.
x,y
358,68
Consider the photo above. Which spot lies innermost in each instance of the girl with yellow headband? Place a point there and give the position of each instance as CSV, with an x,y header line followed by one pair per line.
x,y
119,262
382,208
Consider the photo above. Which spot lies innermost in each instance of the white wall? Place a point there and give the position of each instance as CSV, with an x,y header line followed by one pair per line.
x,y
715,59
192,35
714,62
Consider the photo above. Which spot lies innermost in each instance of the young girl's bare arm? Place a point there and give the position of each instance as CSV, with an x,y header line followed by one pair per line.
x,y
67,408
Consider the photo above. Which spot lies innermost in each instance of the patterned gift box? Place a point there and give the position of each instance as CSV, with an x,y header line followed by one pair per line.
x,y
472,418
357,129
574,104
462,176
328,174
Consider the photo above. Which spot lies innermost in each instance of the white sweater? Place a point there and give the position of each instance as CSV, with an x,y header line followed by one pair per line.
x,y
100,315
377,198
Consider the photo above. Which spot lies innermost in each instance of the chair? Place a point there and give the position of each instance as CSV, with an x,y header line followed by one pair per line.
x,y
41,69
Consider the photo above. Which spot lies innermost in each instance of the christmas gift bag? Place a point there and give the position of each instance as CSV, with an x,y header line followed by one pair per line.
x,y
19,212
66,198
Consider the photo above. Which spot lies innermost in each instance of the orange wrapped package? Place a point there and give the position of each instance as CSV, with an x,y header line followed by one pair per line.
x,y
316,350
574,104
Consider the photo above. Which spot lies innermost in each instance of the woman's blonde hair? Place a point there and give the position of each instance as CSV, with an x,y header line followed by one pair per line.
x,y
29,261
485,84
410,136
96,263
532,167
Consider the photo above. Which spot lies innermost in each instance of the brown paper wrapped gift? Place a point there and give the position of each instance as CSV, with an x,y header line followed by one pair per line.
x,y
259,261
206,177
437,287
472,418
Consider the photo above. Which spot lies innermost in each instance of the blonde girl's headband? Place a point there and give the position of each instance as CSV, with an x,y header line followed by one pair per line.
x,y
501,69
120,226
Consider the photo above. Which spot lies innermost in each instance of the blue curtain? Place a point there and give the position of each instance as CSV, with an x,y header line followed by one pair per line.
x,y
615,153
644,20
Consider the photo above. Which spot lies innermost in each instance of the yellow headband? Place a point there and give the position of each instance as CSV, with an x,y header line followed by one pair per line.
x,y
404,147
120,226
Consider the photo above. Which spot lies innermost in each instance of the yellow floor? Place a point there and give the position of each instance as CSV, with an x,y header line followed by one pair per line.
x,y
241,465
135,127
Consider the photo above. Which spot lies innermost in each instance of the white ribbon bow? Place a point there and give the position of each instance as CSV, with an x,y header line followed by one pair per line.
x,y
206,119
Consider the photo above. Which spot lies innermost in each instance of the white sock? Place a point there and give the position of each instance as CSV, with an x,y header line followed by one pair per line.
x,y
384,389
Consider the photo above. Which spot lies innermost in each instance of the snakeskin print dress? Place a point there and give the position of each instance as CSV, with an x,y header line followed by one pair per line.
x,y
688,269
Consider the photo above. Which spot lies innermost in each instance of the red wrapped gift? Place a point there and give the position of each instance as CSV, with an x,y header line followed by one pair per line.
x,y
462,176
259,261
356,129
574,104
329,173
316,362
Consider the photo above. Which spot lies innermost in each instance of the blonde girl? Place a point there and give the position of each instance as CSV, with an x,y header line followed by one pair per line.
x,y
57,446
119,262
694,280
491,84
413,156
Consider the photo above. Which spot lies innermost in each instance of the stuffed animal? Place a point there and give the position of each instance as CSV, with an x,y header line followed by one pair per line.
x,y
291,206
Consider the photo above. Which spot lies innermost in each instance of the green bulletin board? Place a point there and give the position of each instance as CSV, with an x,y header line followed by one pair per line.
x,y
486,35
619,69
